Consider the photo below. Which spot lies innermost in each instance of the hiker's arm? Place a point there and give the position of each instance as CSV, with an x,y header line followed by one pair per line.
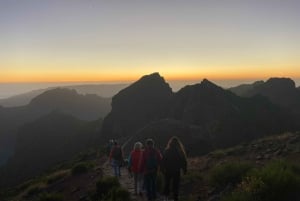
x,y
184,165
129,161
159,156
110,154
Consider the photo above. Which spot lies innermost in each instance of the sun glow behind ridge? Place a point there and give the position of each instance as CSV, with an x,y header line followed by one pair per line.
x,y
101,41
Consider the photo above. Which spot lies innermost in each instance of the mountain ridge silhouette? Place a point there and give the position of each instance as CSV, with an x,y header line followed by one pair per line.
x,y
225,118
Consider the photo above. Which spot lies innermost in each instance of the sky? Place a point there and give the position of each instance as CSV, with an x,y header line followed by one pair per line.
x,y
112,41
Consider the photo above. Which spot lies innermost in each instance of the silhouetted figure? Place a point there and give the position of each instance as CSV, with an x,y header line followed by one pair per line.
x,y
135,167
116,158
109,146
174,160
151,162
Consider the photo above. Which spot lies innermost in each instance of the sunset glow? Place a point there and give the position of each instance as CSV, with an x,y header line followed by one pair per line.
x,y
103,41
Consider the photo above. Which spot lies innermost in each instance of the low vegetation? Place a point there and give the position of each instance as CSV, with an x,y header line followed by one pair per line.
x,y
228,173
34,190
262,170
50,197
56,176
277,181
80,168
109,188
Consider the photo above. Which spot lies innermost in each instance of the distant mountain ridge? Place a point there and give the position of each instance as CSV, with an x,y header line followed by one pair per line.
x,y
83,107
280,91
103,90
86,107
220,115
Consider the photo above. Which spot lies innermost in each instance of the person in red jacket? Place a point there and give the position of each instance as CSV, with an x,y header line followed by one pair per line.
x,y
135,166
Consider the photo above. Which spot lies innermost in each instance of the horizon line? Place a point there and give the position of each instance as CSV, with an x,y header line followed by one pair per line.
x,y
125,81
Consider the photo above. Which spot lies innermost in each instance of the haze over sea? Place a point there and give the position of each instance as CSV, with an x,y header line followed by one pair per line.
x,y
12,89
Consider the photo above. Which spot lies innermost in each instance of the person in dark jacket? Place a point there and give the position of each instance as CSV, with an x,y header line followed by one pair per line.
x,y
174,160
151,162
116,158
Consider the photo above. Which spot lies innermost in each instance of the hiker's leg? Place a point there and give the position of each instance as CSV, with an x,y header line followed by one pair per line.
x,y
153,183
176,182
114,165
147,178
118,171
167,178
139,183
135,178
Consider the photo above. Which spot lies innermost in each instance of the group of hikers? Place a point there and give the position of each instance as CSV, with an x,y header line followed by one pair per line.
x,y
144,162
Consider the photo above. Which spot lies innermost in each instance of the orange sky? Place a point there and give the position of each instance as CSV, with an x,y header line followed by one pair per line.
x,y
101,41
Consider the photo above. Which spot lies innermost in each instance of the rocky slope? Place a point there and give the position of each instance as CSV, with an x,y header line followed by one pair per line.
x,y
45,142
218,117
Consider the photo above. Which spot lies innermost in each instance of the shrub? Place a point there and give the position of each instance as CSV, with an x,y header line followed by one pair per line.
x,y
50,197
248,190
25,185
105,185
281,181
34,190
119,194
56,176
275,182
79,168
192,176
228,173
218,154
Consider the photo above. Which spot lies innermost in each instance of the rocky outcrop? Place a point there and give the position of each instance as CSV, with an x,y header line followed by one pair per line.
x,y
135,106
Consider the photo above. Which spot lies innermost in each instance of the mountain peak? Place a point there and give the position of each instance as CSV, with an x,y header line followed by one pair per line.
x,y
147,84
283,83
143,101
207,82
154,77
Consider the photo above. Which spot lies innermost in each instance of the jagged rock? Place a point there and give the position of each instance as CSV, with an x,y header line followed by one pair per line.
x,y
135,106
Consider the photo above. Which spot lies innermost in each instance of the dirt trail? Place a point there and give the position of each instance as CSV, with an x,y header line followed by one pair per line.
x,y
125,180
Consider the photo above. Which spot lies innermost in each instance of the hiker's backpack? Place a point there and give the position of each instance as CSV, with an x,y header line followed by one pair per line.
x,y
152,161
117,153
